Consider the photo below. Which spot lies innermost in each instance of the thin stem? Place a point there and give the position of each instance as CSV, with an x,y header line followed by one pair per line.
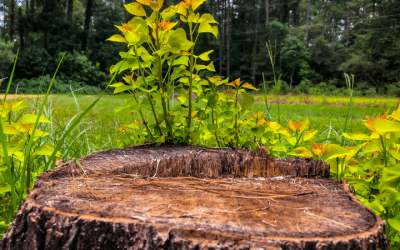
x,y
214,122
161,86
142,117
236,118
148,94
189,122
383,151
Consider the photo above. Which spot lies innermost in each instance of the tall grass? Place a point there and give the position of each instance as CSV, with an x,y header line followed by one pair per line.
x,y
22,162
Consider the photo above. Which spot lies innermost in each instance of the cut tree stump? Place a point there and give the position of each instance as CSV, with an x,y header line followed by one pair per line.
x,y
187,197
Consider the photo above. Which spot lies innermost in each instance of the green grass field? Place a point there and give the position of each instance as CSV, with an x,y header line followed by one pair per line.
x,y
100,128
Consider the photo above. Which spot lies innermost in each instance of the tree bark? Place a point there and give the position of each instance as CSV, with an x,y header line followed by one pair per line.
x,y
323,23
86,28
228,41
308,20
21,32
220,35
291,80
149,197
12,17
70,10
266,13
348,23
254,63
32,6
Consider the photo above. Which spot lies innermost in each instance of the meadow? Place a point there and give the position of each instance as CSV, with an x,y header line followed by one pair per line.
x,y
99,129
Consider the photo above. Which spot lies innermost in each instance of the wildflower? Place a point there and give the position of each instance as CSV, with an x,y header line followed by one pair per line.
x,y
318,149
166,25
125,28
369,123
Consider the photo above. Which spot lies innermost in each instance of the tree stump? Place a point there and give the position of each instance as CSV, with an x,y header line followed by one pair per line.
x,y
187,197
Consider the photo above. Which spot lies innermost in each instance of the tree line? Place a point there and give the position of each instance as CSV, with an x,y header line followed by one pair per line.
x,y
315,41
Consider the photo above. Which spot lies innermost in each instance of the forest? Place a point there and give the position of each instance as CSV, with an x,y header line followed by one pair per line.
x,y
315,41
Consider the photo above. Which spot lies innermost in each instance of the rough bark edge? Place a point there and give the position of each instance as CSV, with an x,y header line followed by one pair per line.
x,y
68,230
228,163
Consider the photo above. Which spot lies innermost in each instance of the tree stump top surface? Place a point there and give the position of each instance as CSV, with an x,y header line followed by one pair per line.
x,y
236,212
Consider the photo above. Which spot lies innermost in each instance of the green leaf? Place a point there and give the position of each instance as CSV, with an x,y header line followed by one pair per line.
x,y
333,151
302,152
3,224
122,65
181,60
247,101
187,45
4,188
395,222
206,28
116,85
122,89
46,149
212,128
204,56
31,118
183,95
135,9
390,178
117,38
395,154
177,36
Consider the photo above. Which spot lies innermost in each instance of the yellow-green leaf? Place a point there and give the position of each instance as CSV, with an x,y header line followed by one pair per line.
x,y
31,118
181,60
4,188
395,222
122,89
395,154
357,136
132,37
249,86
46,149
207,18
135,9
19,105
117,38
193,17
333,151
205,27
141,24
309,135
116,85
197,3
301,151
124,66
383,126
11,130
204,56
390,178
169,12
